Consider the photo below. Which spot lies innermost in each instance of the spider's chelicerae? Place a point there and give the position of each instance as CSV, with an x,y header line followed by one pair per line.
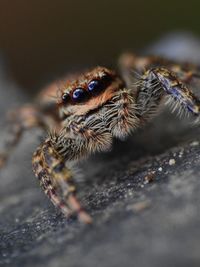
x,y
89,110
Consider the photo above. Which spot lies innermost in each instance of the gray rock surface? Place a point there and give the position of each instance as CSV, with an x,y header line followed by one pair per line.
x,y
143,195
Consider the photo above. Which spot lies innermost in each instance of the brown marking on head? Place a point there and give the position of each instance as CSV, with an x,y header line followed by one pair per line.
x,y
96,88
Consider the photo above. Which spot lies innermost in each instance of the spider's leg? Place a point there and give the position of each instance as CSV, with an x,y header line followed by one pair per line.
x,y
56,179
43,114
127,65
52,165
20,120
159,84
132,67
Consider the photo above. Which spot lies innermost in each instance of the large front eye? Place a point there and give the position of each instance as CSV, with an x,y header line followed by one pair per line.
x,y
79,95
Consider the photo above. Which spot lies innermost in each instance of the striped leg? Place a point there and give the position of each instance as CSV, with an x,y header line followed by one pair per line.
x,y
52,165
57,180
159,83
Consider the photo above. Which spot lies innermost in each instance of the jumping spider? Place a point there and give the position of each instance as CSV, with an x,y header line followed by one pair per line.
x,y
89,110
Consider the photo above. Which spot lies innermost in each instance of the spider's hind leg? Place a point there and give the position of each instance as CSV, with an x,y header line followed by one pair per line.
x,y
19,120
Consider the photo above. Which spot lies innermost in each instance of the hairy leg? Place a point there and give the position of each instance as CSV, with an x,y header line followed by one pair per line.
x,y
158,84
42,114
132,66
121,114
52,165
19,120
57,180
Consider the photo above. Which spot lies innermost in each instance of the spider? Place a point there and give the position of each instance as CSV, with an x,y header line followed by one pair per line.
x,y
89,110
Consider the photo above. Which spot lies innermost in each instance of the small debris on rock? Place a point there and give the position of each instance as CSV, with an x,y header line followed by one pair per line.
x,y
16,220
149,177
172,162
137,207
181,153
195,143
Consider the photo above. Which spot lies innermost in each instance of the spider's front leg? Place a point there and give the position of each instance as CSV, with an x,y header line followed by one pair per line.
x,y
52,165
159,84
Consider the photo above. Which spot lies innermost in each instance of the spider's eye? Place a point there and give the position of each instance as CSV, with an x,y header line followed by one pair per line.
x,y
106,79
79,95
94,86
65,98
97,85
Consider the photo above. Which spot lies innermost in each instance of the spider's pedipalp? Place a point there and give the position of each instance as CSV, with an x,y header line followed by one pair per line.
x,y
121,114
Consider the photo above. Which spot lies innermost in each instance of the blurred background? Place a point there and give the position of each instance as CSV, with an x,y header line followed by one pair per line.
x,y
43,39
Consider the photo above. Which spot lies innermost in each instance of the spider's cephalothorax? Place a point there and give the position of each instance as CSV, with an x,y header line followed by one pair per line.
x,y
88,111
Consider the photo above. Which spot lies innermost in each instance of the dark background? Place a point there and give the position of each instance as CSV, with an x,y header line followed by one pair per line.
x,y
42,39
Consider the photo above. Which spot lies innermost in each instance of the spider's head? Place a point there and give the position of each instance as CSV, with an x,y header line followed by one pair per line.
x,y
99,99
90,92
